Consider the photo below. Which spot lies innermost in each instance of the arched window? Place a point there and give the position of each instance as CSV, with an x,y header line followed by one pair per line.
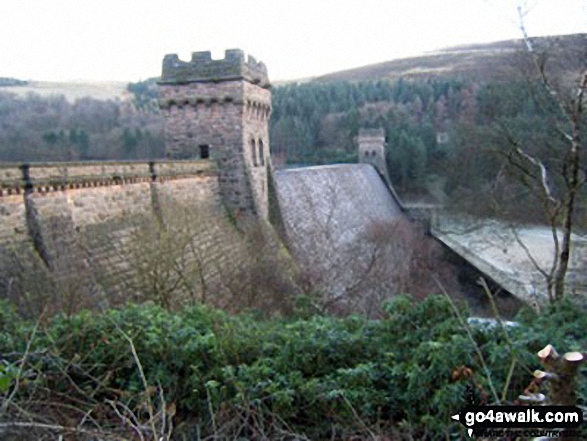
x,y
261,153
254,152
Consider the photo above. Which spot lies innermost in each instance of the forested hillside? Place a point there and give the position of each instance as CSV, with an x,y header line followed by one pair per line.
x,y
475,127
35,128
449,131
316,123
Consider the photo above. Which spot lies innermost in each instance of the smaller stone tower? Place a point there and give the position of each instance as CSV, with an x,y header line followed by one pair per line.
x,y
372,150
219,110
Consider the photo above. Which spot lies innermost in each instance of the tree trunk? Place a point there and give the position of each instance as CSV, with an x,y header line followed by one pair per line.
x,y
573,184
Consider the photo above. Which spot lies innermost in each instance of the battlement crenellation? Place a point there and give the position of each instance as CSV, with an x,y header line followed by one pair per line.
x,y
371,133
202,68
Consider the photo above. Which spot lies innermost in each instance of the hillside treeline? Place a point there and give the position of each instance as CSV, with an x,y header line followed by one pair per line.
x,y
317,123
448,137
429,123
452,137
36,128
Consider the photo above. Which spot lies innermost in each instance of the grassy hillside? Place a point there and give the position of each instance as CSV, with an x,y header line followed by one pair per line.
x,y
482,62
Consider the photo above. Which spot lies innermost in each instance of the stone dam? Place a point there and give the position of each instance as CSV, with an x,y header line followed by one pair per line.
x,y
76,224
104,229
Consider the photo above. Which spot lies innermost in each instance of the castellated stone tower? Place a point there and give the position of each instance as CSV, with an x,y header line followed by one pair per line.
x,y
372,150
219,109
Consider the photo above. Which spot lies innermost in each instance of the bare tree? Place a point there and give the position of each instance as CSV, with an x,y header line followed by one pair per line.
x,y
539,155
354,261
193,254
168,259
557,182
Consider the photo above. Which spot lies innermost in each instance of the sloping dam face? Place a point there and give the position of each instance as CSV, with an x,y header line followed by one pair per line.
x,y
338,220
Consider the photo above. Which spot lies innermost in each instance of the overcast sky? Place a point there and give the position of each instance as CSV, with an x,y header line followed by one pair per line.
x,y
127,39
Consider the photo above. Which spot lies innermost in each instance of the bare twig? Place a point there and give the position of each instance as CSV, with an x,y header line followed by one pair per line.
x,y
150,407
59,428
507,339
132,423
8,400
348,403
467,329
211,410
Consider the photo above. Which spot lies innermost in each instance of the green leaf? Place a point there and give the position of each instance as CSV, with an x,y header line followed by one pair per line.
x,y
5,382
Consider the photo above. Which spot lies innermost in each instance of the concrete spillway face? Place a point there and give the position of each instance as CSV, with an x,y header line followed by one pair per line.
x,y
331,214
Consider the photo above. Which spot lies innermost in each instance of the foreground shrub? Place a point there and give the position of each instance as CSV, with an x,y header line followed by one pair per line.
x,y
212,374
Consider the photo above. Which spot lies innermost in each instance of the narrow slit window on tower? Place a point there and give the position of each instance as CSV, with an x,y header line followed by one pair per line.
x,y
261,154
204,151
254,152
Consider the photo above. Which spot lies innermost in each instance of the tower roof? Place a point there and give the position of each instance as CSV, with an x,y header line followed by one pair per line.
x,y
202,68
371,133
